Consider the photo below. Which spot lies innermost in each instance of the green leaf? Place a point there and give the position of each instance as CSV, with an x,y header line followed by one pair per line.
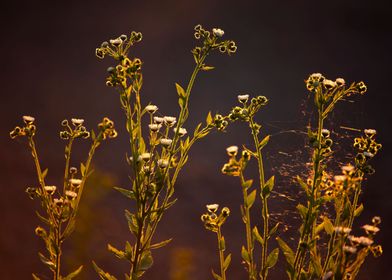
x,y
269,185
273,230
82,169
358,211
247,184
222,244
128,193
256,236
245,255
207,68
35,277
73,274
328,226
216,276
264,142
303,185
227,262
251,199
319,227
146,261
47,261
128,251
209,118
132,222
102,274
316,264
93,136
287,252
44,173
302,211
160,244
180,91
272,258
119,254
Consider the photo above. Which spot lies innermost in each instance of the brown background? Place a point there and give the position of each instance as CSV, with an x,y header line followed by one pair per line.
x,y
49,71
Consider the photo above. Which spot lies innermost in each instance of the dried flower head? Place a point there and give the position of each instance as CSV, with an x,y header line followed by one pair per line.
x,y
163,163
371,229
159,120
50,189
75,182
28,119
349,249
154,127
77,122
169,121
218,32
71,195
145,156
151,109
212,208
342,230
340,81
232,151
376,220
181,131
165,142
243,98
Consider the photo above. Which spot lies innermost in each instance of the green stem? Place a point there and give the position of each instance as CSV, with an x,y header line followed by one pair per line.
x,y
300,253
265,215
249,243
221,254
354,205
67,161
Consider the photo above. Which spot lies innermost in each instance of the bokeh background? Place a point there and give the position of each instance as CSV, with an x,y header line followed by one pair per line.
x,y
49,71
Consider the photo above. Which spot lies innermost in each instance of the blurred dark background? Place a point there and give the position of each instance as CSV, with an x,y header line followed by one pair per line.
x,y
49,71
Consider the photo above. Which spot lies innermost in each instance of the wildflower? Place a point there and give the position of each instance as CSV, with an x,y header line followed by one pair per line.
x,y
370,132
151,109
243,98
159,120
73,170
325,132
361,87
58,202
377,251
116,42
343,230
181,131
232,151
169,121
145,156
225,212
365,241
314,81
165,142
75,182
77,122
154,127
376,220
40,231
340,81
371,229
329,84
50,189
349,249
163,163
368,154
218,32
71,195
212,208
28,119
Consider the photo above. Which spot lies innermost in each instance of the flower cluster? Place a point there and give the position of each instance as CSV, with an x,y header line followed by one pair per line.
x,y
211,41
234,166
28,129
247,110
211,220
118,48
107,128
77,130
367,148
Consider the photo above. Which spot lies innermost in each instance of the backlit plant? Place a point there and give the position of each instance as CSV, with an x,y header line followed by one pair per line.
x,y
60,205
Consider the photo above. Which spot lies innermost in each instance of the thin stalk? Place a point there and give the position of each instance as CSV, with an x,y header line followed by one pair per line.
x,y
67,161
249,243
58,253
354,205
300,253
221,254
265,215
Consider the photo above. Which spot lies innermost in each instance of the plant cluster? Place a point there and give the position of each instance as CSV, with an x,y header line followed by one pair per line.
x,y
159,146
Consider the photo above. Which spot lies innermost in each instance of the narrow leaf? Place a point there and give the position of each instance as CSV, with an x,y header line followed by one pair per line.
x,y
209,118
102,274
245,255
146,261
256,236
216,276
44,173
207,68
302,211
287,252
118,253
264,142
272,258
227,262
247,184
73,274
160,244
358,211
251,199
35,277
180,91
82,169
328,226
128,193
